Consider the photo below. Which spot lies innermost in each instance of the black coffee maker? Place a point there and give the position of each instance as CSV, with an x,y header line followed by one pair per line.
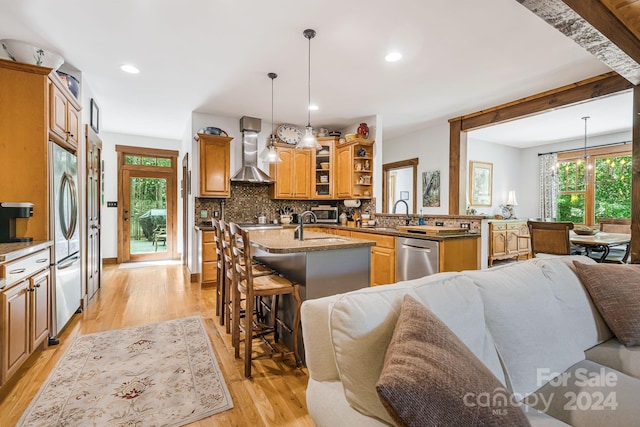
x,y
9,211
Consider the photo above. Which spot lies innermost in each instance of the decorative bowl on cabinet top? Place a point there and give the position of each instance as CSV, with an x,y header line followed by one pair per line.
x,y
24,52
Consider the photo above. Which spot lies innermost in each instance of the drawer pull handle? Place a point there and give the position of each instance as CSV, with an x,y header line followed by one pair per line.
x,y
41,260
17,271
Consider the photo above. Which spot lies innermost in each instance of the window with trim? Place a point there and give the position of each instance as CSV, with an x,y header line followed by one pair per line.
x,y
596,187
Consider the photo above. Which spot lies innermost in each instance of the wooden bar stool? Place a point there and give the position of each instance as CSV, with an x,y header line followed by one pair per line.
x,y
257,270
273,285
220,272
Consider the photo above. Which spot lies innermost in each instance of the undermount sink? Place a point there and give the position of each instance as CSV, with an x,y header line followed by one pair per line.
x,y
385,229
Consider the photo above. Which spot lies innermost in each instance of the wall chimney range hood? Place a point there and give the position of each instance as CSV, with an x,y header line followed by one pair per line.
x,y
249,171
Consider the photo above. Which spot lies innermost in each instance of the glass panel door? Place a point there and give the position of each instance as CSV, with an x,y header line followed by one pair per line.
x,y
147,229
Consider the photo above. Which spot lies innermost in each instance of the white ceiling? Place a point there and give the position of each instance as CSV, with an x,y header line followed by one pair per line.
x,y
213,56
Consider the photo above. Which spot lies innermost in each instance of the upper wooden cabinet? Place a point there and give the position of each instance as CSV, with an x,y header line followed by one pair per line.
x,y
292,177
354,167
24,133
323,171
64,114
215,165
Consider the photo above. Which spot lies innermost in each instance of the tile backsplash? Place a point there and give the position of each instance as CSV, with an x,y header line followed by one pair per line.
x,y
248,200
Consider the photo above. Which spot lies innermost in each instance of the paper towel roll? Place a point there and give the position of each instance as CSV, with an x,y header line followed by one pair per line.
x,y
355,203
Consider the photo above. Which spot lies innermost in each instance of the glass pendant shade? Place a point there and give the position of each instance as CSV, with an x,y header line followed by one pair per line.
x,y
272,155
309,141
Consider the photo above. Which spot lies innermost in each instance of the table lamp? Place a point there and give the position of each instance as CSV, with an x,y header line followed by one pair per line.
x,y
511,202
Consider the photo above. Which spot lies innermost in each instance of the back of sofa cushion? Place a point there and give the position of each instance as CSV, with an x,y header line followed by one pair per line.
x,y
362,323
527,325
583,319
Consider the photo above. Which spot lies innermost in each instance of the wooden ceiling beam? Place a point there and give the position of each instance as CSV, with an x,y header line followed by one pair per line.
x,y
581,91
603,20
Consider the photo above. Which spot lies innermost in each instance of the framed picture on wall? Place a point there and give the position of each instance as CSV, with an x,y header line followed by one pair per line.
x,y
94,118
480,183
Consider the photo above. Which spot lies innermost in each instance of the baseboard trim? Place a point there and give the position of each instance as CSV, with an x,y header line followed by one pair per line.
x,y
108,261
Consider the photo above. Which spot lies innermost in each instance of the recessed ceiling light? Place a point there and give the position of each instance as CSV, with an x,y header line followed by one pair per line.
x,y
127,68
313,107
393,57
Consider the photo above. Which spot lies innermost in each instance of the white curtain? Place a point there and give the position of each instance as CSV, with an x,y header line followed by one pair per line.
x,y
548,185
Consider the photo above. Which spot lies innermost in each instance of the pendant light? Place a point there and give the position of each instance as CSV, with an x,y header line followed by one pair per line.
x,y
270,154
309,141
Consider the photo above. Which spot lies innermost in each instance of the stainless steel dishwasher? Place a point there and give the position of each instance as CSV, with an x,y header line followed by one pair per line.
x,y
415,258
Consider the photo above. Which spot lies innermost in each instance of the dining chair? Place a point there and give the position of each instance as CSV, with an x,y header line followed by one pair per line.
x,y
618,254
253,287
550,237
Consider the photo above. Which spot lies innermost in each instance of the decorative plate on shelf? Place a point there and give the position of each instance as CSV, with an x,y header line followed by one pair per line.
x,y
289,134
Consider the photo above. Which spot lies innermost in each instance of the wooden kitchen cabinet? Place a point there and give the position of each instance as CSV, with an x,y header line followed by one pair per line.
x,y
292,177
215,165
324,178
459,254
383,257
24,132
64,114
508,239
354,168
24,307
209,259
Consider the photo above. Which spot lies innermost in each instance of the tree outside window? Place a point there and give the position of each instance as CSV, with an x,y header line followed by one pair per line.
x,y
605,191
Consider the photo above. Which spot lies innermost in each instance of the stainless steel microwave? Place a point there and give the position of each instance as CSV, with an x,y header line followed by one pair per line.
x,y
326,214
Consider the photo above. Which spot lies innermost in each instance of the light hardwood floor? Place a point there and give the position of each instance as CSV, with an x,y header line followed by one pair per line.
x,y
136,296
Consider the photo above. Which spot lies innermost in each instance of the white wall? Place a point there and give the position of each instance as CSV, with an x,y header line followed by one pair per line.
x,y
507,173
431,147
110,215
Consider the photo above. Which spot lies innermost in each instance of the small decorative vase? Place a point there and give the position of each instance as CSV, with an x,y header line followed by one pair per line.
x,y
363,130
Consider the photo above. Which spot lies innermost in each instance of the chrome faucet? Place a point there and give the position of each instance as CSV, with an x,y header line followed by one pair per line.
x,y
298,233
407,219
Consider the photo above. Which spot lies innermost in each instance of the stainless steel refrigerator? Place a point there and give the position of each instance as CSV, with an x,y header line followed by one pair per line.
x,y
63,210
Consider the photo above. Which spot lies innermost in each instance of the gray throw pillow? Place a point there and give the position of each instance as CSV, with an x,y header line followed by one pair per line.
x,y
430,378
615,290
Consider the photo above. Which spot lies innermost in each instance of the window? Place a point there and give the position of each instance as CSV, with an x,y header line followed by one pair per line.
x,y
603,194
147,161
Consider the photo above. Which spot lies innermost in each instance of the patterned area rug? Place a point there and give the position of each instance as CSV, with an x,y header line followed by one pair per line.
x,y
163,374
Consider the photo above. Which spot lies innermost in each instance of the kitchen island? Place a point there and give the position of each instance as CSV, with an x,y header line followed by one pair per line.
x,y
321,264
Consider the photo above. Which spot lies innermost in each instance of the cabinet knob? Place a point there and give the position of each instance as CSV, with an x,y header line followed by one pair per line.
x,y
37,285
31,290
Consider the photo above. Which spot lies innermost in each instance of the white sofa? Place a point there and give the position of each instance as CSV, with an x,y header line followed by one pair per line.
x,y
525,321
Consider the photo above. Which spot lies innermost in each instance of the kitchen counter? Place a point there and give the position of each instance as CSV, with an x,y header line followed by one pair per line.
x,y
11,251
281,241
389,231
